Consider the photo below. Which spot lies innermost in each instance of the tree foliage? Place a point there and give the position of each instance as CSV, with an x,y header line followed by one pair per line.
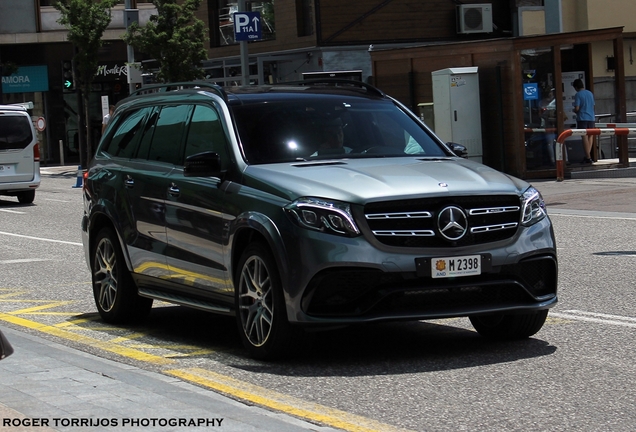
x,y
86,21
175,38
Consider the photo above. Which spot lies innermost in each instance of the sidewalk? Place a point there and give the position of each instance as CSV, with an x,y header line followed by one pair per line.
x,y
50,383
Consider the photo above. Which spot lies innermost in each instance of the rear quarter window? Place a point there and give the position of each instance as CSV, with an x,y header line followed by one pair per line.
x,y
15,131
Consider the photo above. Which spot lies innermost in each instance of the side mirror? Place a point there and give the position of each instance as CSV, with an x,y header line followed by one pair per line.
x,y
458,149
206,164
5,347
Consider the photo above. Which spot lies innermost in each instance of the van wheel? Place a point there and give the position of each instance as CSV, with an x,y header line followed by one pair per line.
x,y
509,326
114,290
26,197
260,305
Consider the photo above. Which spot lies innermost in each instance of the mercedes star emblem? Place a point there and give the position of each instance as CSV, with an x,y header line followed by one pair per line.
x,y
452,223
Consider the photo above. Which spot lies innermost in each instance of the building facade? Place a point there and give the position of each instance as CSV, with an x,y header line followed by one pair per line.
x,y
394,44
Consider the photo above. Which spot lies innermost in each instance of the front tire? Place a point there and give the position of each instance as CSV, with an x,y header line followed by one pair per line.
x,y
260,305
114,290
501,326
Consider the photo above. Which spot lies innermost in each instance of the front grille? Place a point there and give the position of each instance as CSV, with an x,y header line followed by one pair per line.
x,y
414,223
353,292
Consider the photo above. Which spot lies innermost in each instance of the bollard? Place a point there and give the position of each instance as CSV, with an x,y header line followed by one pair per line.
x,y
79,179
559,161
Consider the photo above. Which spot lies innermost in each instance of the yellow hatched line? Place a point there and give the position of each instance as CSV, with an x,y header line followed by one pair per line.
x,y
11,294
35,309
129,337
281,402
106,346
77,321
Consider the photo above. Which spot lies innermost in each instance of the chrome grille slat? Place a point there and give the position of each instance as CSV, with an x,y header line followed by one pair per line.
x,y
483,229
404,215
492,210
405,233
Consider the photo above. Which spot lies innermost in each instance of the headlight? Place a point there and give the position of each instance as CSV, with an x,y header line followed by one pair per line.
x,y
533,207
321,215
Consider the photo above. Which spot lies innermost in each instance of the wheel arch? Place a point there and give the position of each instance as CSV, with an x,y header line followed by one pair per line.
x,y
251,227
100,220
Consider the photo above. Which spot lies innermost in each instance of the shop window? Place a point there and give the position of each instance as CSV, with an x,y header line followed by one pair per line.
x,y
540,110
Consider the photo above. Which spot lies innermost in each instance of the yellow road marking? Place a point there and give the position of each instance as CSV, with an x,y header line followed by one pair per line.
x,y
77,321
281,402
10,294
217,382
129,337
106,346
31,310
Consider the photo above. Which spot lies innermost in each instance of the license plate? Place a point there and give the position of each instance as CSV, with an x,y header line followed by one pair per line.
x,y
468,265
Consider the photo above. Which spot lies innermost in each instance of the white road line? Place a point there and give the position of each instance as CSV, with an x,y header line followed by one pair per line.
x,y
591,216
40,238
24,260
12,211
56,200
576,315
601,315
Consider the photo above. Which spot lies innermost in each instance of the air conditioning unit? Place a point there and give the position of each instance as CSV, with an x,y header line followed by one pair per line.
x,y
474,18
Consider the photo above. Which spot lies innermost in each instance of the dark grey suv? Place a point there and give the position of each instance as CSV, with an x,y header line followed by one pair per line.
x,y
308,204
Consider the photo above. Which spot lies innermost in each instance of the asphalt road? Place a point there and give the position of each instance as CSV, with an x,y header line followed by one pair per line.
x,y
577,373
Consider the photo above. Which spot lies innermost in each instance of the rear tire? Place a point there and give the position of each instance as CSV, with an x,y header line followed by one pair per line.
x,y
114,290
260,305
509,326
26,197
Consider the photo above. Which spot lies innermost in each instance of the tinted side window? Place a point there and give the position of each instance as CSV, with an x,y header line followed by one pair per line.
x,y
166,140
126,135
15,132
206,133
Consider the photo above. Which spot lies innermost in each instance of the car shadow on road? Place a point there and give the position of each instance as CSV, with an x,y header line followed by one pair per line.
x,y
370,349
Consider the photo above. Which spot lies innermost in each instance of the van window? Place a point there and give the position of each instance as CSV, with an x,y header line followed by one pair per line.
x,y
166,140
15,132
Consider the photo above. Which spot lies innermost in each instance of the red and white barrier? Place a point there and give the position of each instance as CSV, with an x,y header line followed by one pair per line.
x,y
560,172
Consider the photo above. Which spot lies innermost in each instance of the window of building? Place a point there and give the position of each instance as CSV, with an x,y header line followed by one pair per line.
x,y
304,17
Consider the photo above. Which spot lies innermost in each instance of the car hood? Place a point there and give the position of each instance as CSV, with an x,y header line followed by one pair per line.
x,y
365,180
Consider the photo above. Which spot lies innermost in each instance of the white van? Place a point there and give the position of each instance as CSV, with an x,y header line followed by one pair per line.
x,y
19,154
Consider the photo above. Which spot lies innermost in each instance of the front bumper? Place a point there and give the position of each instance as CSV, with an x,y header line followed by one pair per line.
x,y
355,281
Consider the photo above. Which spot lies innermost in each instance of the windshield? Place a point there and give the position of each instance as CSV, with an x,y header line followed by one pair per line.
x,y
328,127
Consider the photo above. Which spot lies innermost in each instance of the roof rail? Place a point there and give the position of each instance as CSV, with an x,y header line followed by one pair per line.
x,y
173,86
339,82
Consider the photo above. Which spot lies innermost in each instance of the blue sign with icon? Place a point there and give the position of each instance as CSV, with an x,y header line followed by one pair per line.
x,y
247,26
530,91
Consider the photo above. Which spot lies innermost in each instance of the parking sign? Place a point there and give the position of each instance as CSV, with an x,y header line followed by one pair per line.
x,y
247,26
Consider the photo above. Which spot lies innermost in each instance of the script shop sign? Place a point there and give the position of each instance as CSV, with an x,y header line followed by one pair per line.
x,y
111,71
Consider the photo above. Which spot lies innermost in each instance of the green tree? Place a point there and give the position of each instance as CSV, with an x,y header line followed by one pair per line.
x,y
175,38
86,21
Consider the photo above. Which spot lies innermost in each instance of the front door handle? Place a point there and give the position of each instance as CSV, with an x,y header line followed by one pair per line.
x,y
173,190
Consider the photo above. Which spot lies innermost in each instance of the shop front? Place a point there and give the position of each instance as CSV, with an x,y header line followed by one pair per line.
x,y
525,87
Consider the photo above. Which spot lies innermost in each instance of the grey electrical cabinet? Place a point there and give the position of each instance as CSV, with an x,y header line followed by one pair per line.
x,y
457,108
